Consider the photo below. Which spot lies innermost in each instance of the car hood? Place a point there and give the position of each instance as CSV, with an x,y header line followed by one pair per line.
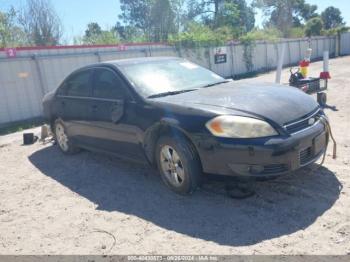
x,y
278,103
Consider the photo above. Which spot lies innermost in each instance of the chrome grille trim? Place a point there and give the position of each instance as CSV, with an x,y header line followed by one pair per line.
x,y
301,124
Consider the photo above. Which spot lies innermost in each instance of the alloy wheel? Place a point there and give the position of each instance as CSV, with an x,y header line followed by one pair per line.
x,y
172,166
61,137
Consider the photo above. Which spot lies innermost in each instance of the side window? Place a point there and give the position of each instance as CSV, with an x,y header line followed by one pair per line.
x,y
78,84
108,85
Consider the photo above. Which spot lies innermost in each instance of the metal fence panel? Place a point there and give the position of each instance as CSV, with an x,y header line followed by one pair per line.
x,y
20,96
25,79
345,44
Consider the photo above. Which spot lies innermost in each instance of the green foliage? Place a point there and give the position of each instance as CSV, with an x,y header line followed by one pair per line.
x,y
219,13
40,22
155,18
284,14
269,34
94,35
162,21
249,43
130,33
35,23
11,35
21,125
314,27
296,32
229,15
335,31
246,15
197,34
248,49
332,18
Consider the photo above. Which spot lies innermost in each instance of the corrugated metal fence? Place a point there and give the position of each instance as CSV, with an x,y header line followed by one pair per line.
x,y
345,44
26,74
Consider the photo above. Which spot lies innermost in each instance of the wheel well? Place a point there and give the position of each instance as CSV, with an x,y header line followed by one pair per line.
x,y
52,121
153,135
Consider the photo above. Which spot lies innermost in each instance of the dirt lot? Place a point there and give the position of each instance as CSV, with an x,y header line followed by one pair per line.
x,y
95,204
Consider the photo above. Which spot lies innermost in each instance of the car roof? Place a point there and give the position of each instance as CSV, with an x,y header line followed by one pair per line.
x,y
141,60
129,61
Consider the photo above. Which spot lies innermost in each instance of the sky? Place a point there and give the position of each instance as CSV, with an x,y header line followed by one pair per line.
x,y
76,14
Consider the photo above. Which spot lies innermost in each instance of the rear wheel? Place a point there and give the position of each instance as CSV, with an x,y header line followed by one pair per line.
x,y
178,164
62,138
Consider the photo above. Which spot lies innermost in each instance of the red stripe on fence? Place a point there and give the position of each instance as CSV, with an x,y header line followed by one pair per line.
x,y
28,48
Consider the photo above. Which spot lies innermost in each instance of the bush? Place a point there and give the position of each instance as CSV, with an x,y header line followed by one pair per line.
x,y
268,34
200,35
335,31
296,32
313,27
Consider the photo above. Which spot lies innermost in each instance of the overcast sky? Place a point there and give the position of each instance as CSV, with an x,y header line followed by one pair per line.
x,y
76,14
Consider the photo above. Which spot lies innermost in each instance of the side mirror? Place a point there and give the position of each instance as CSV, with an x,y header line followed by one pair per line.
x,y
117,110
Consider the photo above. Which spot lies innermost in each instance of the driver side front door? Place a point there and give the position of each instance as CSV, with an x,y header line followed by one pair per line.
x,y
110,115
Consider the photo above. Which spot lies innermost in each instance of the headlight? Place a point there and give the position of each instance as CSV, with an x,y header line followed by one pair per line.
x,y
240,127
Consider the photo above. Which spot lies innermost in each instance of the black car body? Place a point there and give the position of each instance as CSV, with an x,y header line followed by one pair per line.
x,y
127,123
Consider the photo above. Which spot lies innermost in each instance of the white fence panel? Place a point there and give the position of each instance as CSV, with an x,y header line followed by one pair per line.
x,y
25,79
54,70
20,94
345,44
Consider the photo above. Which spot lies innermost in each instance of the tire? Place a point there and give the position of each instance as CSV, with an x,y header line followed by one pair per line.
x,y
322,99
182,174
62,139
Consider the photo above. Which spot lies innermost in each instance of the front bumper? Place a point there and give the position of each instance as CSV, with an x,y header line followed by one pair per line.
x,y
262,157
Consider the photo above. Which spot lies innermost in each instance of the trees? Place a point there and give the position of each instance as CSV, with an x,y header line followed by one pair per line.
x,y
218,13
284,14
162,21
155,18
246,15
94,35
332,18
137,13
314,26
11,35
40,22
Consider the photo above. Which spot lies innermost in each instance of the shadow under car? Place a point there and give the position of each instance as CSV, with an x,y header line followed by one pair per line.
x,y
279,207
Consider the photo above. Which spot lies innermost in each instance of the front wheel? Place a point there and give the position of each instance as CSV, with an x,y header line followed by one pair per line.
x,y
178,164
322,98
62,138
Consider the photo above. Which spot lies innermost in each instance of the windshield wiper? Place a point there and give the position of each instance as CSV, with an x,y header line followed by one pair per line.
x,y
170,93
217,83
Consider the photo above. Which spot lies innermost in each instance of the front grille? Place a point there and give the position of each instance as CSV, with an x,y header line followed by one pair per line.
x,y
306,156
302,123
275,168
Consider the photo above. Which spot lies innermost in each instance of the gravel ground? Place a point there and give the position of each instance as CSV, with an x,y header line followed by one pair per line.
x,y
95,204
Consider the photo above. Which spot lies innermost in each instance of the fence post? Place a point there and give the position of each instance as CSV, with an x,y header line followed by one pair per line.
x,y
337,44
289,53
149,50
232,61
266,57
40,75
300,54
98,56
209,59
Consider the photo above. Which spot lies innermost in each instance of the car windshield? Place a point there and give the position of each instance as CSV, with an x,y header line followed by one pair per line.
x,y
168,77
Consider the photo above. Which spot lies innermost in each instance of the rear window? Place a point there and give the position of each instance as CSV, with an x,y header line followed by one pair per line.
x,y
78,84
